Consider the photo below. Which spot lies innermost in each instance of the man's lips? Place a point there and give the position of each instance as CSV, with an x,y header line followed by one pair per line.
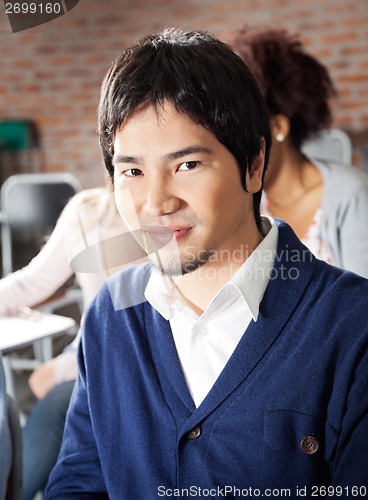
x,y
162,234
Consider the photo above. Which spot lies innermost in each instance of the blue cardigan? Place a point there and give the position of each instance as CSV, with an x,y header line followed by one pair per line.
x,y
289,411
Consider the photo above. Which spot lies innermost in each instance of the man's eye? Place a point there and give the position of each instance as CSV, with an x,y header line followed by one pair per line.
x,y
188,165
132,172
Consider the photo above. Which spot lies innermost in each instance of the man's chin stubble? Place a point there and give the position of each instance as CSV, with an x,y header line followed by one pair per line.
x,y
175,268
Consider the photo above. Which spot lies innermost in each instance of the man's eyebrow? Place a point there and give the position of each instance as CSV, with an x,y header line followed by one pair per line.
x,y
121,158
125,159
188,151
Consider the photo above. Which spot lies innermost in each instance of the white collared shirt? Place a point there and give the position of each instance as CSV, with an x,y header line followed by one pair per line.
x,y
205,343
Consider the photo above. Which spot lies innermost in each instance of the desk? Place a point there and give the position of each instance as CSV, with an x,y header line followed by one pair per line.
x,y
16,333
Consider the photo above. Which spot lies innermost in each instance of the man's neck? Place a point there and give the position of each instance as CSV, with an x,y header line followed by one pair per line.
x,y
200,287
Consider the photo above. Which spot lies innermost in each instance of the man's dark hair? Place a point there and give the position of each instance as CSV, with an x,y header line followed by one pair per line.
x,y
202,78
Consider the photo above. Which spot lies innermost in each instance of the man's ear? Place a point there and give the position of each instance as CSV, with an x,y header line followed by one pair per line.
x,y
254,177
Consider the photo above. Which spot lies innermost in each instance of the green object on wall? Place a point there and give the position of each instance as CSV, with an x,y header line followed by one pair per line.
x,y
18,135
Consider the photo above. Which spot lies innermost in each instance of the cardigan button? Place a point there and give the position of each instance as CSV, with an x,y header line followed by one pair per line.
x,y
194,433
309,445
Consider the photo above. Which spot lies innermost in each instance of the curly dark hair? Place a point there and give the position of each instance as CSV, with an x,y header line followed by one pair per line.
x,y
293,82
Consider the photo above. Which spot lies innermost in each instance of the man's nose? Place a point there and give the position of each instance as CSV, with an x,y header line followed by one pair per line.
x,y
160,198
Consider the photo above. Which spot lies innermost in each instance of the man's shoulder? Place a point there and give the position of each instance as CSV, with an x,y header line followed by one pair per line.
x,y
315,273
134,273
341,295
126,288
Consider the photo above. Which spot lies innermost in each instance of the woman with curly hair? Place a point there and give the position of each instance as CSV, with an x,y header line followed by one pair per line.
x,y
325,202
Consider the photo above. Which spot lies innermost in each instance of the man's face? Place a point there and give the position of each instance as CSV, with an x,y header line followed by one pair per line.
x,y
184,190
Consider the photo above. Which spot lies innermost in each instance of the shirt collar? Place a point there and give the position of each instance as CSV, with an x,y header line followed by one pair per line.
x,y
161,293
250,280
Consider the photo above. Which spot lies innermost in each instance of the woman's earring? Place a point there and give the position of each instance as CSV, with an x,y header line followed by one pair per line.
x,y
280,137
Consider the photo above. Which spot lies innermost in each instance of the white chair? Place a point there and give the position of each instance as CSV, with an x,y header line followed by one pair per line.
x,y
332,144
31,204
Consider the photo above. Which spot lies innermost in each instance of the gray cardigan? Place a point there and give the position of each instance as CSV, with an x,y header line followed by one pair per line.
x,y
345,215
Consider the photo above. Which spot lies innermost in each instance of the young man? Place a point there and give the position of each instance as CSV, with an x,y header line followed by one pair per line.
x,y
235,364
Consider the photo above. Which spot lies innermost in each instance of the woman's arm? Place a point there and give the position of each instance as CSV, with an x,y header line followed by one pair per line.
x,y
345,215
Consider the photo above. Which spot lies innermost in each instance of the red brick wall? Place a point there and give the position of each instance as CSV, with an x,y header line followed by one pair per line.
x,y
52,73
